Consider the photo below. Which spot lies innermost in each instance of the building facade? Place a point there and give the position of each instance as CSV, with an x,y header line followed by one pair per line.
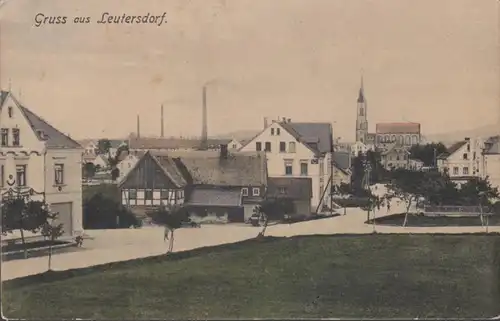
x,y
300,150
35,155
402,134
463,160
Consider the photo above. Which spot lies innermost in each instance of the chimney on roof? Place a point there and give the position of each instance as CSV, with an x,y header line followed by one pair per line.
x,y
289,120
467,138
223,151
265,123
162,129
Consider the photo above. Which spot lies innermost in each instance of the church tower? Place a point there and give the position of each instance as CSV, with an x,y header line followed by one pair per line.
x,y
361,116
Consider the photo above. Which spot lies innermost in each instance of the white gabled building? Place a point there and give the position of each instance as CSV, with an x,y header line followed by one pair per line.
x,y
463,160
35,155
491,160
301,150
360,147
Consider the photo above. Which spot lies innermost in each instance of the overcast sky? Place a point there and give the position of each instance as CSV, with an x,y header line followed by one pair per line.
x,y
430,61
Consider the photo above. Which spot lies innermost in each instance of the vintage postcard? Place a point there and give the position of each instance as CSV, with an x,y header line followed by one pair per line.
x,y
250,159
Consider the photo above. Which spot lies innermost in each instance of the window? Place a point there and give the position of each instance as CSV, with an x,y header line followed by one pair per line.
x,y
164,194
5,137
282,147
244,191
361,111
59,174
291,147
268,146
234,146
2,174
21,175
455,170
258,146
277,131
255,191
289,167
148,194
397,157
282,190
272,131
468,147
303,168
15,137
465,170
474,156
11,111
132,194
465,156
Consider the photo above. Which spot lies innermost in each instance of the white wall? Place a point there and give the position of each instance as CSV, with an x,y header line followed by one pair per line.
x,y
126,165
276,159
456,160
492,169
71,189
40,168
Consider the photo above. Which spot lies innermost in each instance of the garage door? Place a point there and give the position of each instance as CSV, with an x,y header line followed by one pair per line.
x,y
65,216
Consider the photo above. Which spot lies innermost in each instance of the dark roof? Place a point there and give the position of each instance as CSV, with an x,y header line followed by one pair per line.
x,y
214,197
492,145
52,137
172,143
293,187
342,160
452,149
172,170
239,169
317,136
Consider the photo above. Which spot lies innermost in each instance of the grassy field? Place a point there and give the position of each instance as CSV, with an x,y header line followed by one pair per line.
x,y
383,276
419,220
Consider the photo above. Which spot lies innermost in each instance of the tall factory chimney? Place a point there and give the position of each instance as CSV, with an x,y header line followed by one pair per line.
x,y
162,125
204,130
265,122
138,127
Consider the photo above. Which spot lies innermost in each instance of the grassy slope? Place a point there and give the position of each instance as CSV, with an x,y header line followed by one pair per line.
x,y
318,276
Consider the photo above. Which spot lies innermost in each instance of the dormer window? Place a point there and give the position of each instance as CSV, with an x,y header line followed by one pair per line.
x,y
272,131
277,131
11,111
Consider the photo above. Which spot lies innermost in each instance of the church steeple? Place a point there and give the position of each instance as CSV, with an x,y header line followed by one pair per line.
x,y
361,95
361,115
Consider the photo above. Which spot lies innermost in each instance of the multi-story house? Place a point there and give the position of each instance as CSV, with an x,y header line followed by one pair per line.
x,y
491,160
35,155
395,156
300,150
463,160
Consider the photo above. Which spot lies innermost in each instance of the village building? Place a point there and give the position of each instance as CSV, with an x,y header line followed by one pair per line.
x,y
463,160
301,150
35,155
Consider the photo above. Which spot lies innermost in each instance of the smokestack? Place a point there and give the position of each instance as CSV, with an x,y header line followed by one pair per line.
x,y
265,123
204,131
162,129
138,127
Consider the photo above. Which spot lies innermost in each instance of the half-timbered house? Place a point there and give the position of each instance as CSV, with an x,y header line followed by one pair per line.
x,y
153,181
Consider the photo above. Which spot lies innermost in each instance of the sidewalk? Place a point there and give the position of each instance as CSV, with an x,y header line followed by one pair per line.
x,y
120,245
